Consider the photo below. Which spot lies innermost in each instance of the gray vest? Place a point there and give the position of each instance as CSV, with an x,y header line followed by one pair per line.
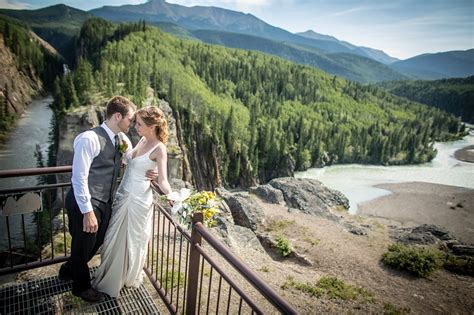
x,y
104,168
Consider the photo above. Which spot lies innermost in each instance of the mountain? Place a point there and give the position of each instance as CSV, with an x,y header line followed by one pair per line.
x,y
246,116
371,53
56,24
213,18
450,64
452,95
349,66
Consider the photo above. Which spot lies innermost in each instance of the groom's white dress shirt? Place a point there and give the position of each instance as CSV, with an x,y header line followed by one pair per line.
x,y
86,148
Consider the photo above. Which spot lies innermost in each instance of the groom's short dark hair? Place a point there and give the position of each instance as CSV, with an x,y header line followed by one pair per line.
x,y
119,104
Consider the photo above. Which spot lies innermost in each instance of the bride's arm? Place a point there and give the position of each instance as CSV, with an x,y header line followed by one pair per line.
x,y
161,158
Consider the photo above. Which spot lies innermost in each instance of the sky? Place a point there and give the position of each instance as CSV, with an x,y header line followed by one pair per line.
x,y
403,28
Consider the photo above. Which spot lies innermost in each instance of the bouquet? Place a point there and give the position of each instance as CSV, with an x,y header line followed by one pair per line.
x,y
187,203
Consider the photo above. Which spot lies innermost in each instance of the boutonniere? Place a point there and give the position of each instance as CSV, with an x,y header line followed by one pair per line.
x,y
123,146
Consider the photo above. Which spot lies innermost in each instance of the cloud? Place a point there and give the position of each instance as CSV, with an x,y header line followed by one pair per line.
x,y
223,2
239,5
350,11
13,4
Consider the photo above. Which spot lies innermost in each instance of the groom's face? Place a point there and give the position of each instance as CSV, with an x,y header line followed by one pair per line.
x,y
126,121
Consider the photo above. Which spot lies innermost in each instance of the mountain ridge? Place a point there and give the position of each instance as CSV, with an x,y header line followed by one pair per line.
x,y
435,66
215,18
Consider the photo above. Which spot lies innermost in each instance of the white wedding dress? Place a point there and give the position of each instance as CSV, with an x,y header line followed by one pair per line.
x,y
125,245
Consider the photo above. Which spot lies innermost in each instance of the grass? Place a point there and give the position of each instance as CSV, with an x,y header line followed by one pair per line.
x,y
264,269
331,287
377,225
58,245
418,260
390,309
340,208
279,225
176,278
312,241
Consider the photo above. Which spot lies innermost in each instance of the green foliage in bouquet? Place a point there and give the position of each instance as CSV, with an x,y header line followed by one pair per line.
x,y
186,204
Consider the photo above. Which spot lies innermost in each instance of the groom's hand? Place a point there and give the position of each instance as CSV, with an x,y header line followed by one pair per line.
x,y
89,223
152,174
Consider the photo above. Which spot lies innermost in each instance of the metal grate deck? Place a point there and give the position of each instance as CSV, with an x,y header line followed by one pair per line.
x,y
53,296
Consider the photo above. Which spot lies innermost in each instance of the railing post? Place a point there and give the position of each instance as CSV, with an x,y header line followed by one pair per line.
x,y
193,270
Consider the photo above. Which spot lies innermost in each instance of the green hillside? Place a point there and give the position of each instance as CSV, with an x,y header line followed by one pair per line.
x,y
455,96
247,115
58,25
350,66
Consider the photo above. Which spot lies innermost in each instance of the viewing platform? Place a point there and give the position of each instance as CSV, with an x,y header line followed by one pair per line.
x,y
187,271
50,295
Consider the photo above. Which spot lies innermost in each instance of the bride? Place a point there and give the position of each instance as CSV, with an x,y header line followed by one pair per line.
x,y
125,246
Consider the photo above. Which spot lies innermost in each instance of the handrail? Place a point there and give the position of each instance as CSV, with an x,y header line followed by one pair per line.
x,y
162,254
35,171
271,295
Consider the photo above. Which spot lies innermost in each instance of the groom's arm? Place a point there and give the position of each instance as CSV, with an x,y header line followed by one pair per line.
x,y
86,148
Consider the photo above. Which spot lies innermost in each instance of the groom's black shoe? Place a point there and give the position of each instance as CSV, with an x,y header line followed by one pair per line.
x,y
65,273
90,295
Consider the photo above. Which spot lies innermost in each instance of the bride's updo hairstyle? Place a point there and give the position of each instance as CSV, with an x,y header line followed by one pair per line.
x,y
153,116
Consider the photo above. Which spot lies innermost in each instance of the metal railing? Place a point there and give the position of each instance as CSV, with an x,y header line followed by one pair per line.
x,y
192,271
40,229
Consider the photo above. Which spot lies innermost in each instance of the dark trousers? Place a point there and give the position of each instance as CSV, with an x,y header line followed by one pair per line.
x,y
84,245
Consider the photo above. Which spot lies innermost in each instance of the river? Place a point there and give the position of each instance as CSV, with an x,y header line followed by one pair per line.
x,y
18,152
357,181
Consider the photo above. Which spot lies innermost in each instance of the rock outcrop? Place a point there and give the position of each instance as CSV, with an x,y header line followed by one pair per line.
x,y
421,235
268,193
310,196
244,211
16,87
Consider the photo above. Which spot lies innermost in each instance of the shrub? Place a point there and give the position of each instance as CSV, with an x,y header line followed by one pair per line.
x,y
332,287
461,265
420,261
283,246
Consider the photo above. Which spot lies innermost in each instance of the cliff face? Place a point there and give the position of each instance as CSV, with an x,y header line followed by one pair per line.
x,y
86,117
16,87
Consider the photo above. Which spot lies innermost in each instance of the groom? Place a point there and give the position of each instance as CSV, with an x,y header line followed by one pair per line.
x,y
95,168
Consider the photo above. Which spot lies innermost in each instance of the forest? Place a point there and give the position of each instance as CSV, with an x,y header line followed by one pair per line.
x,y
452,95
259,116
255,116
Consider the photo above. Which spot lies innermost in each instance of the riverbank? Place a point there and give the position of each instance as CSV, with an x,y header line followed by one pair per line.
x,y
416,203
465,154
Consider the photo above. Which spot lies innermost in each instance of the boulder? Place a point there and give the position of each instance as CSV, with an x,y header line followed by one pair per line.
x,y
422,235
268,193
310,196
464,250
236,236
243,210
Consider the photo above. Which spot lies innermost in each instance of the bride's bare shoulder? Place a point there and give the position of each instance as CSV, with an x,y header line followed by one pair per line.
x,y
159,151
